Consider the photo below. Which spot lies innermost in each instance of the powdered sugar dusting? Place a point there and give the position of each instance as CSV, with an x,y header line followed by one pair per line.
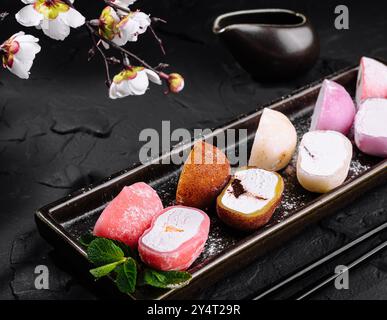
x,y
357,168
222,238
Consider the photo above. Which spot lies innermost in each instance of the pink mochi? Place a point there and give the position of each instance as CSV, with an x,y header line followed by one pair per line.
x,y
372,80
371,127
175,239
334,109
129,214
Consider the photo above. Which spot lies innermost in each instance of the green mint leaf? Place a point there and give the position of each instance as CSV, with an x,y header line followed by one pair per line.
x,y
128,251
166,279
127,276
104,251
86,239
104,270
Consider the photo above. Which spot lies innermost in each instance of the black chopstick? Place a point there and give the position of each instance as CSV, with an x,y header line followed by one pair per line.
x,y
327,258
352,265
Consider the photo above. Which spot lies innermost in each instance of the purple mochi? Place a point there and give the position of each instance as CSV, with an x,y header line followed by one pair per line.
x,y
372,80
334,110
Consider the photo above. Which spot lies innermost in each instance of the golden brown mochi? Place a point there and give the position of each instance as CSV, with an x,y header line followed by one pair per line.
x,y
204,175
251,221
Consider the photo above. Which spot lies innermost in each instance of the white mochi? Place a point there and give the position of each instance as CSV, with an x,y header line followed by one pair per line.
x,y
274,143
371,127
323,160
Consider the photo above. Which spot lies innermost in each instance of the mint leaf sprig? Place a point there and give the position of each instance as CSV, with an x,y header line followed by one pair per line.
x,y
116,259
166,279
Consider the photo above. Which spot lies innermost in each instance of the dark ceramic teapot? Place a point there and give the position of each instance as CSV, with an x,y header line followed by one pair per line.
x,y
270,44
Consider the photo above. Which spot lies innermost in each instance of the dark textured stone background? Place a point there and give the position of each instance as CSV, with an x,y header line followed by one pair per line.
x,y
59,131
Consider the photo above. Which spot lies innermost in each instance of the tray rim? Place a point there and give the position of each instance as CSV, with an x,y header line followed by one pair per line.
x,y
43,214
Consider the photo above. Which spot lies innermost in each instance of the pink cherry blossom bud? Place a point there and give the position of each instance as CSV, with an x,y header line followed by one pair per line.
x,y
175,82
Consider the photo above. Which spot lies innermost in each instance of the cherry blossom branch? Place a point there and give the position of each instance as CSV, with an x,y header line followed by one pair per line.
x,y
175,81
102,53
106,31
154,20
161,66
3,15
117,47
127,10
157,39
94,34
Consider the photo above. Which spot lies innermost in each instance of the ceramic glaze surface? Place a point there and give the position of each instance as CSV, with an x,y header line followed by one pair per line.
x,y
269,43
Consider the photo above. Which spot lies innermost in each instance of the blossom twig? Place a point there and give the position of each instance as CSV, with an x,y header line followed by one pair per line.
x,y
105,59
113,60
157,39
116,25
161,66
153,19
123,50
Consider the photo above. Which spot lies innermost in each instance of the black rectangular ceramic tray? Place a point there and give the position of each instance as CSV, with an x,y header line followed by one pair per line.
x,y
64,221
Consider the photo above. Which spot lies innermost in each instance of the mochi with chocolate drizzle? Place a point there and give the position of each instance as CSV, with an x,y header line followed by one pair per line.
x,y
334,109
250,199
323,160
175,239
371,127
372,80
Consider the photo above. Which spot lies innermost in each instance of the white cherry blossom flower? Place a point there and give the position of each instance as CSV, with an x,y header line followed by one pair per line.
x,y
54,17
132,81
121,30
18,54
131,26
123,3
